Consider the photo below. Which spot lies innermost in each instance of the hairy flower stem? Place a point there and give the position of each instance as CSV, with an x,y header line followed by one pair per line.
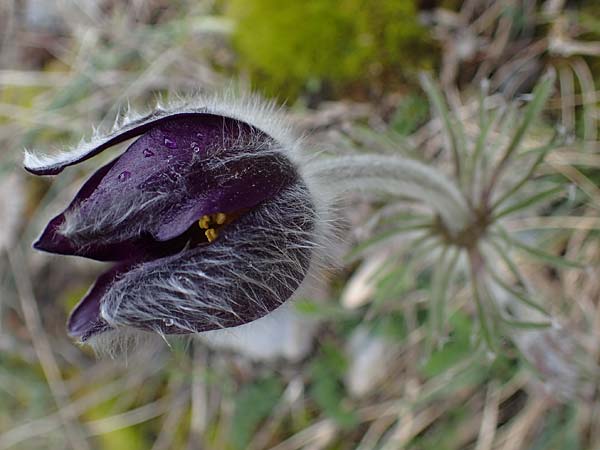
x,y
402,177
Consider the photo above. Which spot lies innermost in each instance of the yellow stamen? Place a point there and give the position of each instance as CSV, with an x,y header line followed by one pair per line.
x,y
204,222
211,234
220,218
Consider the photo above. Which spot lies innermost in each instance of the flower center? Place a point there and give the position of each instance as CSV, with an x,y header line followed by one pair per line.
x,y
211,223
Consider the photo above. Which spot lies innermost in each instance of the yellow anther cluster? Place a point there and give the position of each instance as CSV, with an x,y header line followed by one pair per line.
x,y
211,234
209,222
220,218
204,222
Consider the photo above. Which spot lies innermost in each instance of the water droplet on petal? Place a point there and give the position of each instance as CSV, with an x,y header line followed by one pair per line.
x,y
148,153
170,143
195,147
169,322
124,175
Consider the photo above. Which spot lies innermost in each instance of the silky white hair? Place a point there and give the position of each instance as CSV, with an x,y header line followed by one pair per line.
x,y
251,109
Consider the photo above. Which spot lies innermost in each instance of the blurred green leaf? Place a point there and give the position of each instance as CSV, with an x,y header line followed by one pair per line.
x,y
323,310
530,201
253,404
453,129
411,112
443,271
456,349
392,325
360,249
327,389
549,258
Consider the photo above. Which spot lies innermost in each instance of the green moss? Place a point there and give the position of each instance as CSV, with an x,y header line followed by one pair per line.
x,y
289,47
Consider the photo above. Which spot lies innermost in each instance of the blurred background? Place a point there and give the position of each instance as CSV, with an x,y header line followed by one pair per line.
x,y
351,367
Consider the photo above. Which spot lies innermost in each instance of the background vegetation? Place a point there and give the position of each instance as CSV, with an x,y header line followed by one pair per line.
x,y
391,352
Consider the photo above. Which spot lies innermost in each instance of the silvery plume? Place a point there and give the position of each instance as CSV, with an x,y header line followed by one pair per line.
x,y
212,218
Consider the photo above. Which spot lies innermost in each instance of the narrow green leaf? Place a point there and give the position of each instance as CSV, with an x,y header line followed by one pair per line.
x,y
539,97
512,267
443,271
526,325
521,296
549,258
529,201
452,129
486,322
423,246
527,177
480,144
556,143
436,300
404,218
486,311
381,237
384,142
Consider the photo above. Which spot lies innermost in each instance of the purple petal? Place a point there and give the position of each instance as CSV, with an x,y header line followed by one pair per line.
x,y
254,266
85,319
56,164
51,240
164,182
141,247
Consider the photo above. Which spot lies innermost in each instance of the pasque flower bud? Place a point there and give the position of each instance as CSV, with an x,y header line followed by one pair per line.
x,y
210,218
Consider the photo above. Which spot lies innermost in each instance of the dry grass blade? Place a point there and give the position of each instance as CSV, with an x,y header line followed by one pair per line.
x,y
199,413
72,411
580,179
515,435
588,90
557,222
41,344
315,434
489,419
137,415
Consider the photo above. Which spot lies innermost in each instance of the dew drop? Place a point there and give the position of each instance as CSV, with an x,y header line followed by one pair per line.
x,y
124,175
195,147
148,153
170,143
169,322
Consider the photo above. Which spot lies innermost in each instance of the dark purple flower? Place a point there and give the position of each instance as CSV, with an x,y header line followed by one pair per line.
x,y
207,217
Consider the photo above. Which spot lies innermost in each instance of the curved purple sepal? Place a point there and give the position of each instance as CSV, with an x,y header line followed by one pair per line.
x,y
163,183
54,164
255,265
85,320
